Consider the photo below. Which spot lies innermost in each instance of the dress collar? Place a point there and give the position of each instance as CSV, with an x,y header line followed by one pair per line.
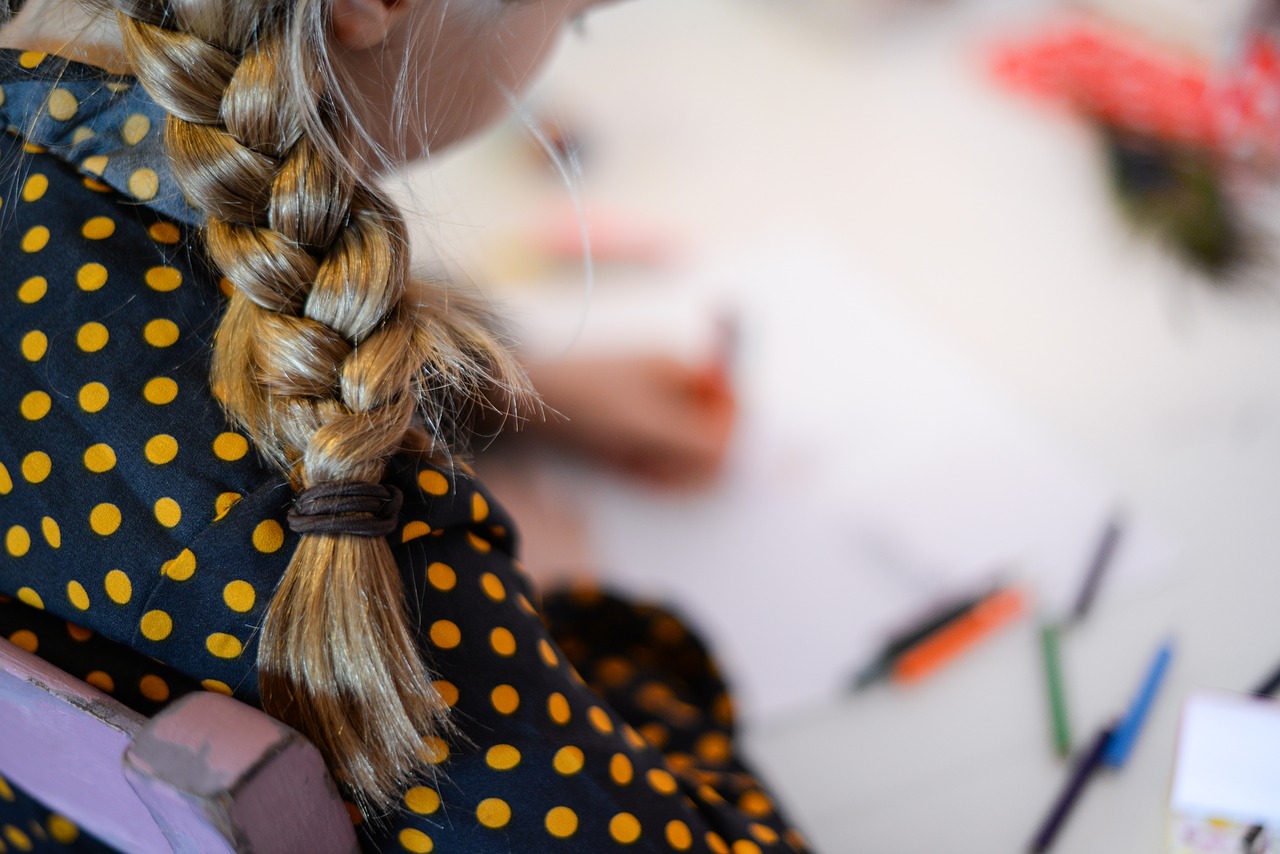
x,y
103,124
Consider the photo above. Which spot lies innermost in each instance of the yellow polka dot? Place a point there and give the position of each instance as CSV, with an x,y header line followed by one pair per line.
x,y
434,750
6,482
102,681
415,841
35,239
239,596
98,228
17,541
36,405
493,587
31,58
94,397
82,133
78,595
5,792
164,333
679,836
17,838
479,507
99,458
161,449
714,748
223,503
33,289
32,148
561,822
91,277
481,545
94,165
27,596
164,232
156,625
154,688
216,686
716,843
661,781
181,567
160,390
52,533
34,187
620,769
445,634
502,757
505,699
34,345
493,812
600,719
268,537
764,833
447,690
558,708
92,337
223,645
135,128
568,760
548,654
441,576
62,104
62,830
624,828
144,184
230,446
104,519
502,641
432,482
36,466
755,803
95,185
414,530
422,800
119,587
24,639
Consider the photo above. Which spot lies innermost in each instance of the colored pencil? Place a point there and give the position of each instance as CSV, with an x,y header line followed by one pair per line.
x,y
1102,559
1086,766
1054,686
996,611
1121,745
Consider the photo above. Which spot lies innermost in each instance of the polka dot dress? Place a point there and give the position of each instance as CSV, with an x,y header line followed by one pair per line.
x,y
143,538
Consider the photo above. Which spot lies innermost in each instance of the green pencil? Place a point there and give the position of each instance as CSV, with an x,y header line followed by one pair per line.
x,y
1053,682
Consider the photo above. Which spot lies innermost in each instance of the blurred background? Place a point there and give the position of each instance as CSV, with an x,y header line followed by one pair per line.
x,y
891,301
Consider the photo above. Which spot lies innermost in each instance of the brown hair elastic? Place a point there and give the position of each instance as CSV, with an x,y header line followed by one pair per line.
x,y
353,507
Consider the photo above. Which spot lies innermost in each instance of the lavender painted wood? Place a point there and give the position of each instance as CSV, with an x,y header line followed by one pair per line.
x,y
62,741
208,774
220,776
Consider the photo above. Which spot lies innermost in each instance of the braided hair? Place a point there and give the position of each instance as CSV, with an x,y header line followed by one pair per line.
x,y
328,355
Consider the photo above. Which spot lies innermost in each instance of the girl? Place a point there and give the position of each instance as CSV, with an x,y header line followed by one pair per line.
x,y
225,460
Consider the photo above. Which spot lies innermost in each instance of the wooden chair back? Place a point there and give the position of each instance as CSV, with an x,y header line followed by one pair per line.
x,y
206,774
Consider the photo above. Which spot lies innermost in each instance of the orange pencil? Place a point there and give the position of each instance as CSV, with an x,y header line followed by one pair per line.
x,y
996,611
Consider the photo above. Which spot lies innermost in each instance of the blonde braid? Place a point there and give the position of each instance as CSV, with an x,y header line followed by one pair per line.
x,y
323,356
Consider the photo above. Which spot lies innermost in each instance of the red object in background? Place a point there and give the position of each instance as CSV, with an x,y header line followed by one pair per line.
x,y
1151,89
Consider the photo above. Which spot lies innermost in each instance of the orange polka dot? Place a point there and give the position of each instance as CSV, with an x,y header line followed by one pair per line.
x,y
441,576
502,757
414,530
230,446
745,846
445,634
505,699
624,828
716,843
154,688
434,750
422,800
78,633
561,822
661,781
432,482
679,836
503,642
479,507
558,708
600,719
24,639
447,690
415,841
620,769
548,654
493,587
568,760
102,681
164,232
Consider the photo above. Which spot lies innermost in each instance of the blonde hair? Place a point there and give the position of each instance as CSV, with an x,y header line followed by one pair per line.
x,y
327,356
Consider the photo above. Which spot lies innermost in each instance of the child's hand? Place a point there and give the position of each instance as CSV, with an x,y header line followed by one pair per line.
x,y
651,416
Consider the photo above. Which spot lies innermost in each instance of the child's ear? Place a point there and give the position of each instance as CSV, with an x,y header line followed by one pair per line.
x,y
361,24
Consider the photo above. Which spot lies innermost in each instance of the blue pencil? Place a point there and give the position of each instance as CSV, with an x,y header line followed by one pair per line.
x,y
1121,744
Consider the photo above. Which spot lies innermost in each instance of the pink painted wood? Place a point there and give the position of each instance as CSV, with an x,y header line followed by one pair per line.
x,y
207,774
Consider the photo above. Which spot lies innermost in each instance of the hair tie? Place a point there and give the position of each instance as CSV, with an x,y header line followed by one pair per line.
x,y
354,507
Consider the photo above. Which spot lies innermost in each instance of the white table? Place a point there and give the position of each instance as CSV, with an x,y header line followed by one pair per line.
x,y
738,122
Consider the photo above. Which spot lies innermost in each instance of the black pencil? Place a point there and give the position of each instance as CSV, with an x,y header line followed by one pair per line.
x,y
1088,763
1102,559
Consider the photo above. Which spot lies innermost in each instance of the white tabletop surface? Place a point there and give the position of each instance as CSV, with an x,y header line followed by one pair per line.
x,y
740,123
